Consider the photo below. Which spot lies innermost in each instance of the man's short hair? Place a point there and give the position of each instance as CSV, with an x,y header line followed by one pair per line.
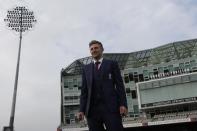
x,y
95,42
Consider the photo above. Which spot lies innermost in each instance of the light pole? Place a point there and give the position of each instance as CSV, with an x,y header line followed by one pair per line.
x,y
20,20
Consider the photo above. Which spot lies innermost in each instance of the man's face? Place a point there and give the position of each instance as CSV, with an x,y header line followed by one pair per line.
x,y
96,51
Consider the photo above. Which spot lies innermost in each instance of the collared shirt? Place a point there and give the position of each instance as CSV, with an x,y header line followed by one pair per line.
x,y
100,60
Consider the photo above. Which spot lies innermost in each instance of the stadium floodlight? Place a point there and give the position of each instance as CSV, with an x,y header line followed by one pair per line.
x,y
19,19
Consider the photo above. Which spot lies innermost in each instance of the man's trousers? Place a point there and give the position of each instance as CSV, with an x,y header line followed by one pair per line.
x,y
100,119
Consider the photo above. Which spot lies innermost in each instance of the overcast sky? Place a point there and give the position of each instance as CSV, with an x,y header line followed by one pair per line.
x,y
62,34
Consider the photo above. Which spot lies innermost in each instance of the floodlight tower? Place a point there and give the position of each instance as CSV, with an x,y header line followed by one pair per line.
x,y
19,19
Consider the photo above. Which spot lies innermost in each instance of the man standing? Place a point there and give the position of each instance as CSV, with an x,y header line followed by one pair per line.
x,y
103,97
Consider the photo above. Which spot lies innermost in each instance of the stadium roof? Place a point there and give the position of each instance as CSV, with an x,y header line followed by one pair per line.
x,y
166,53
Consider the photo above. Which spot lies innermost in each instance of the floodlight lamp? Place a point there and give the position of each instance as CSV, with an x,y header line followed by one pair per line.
x,y
20,17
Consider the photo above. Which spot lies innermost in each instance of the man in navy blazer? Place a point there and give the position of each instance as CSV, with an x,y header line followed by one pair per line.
x,y
103,98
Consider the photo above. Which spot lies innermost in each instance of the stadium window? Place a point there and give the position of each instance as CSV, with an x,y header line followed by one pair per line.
x,y
167,60
79,87
131,76
135,109
133,94
65,86
67,121
187,63
152,114
66,98
136,79
128,90
141,77
135,74
72,115
146,78
185,108
155,71
126,78
166,70
131,114
128,94
66,112
75,97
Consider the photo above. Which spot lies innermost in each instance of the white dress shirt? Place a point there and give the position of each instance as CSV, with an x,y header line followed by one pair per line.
x,y
100,60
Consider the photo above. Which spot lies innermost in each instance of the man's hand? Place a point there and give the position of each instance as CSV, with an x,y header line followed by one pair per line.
x,y
80,116
123,111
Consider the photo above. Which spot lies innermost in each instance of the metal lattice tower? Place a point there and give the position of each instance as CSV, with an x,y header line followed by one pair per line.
x,y
19,19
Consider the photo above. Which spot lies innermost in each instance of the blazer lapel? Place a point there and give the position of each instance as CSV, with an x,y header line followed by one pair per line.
x,y
89,82
91,69
102,67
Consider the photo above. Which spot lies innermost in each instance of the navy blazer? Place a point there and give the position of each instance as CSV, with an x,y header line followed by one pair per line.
x,y
112,83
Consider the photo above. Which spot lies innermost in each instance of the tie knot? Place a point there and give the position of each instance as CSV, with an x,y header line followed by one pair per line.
x,y
97,62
